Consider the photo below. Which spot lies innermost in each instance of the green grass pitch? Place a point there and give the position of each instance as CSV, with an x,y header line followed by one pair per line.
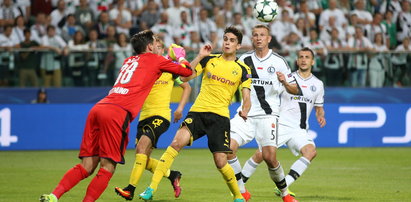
x,y
337,174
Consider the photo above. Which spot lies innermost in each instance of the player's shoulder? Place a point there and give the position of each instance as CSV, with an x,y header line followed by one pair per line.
x,y
206,59
242,64
280,60
246,54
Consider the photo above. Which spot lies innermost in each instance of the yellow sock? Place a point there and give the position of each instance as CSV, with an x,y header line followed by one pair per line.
x,y
139,167
229,176
163,166
152,165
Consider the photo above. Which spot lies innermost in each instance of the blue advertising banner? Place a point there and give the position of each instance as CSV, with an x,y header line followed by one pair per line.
x,y
60,126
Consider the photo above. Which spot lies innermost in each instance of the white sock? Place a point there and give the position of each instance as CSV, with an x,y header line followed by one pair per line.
x,y
277,175
249,168
297,169
235,164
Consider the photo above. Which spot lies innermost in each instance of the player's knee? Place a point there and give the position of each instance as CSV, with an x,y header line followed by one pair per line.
x,y
309,153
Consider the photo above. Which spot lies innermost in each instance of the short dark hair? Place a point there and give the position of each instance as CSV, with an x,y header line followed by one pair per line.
x,y
307,49
141,40
236,32
26,30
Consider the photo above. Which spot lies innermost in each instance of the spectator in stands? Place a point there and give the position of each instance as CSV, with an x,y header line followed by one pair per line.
x,y
221,25
334,62
400,62
39,29
345,6
18,29
70,28
182,32
394,6
325,34
24,6
106,75
195,10
378,62
350,31
315,7
121,17
249,20
228,11
332,11
41,6
164,30
391,28
7,42
122,50
282,28
315,44
195,41
102,25
358,62
364,16
94,59
302,29
8,12
284,5
305,14
290,46
376,27
51,61
58,15
404,21
85,16
246,44
99,6
27,61
41,97
206,28
77,58
174,12
150,15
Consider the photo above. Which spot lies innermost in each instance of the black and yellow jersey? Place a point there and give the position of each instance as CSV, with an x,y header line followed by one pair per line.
x,y
221,79
157,102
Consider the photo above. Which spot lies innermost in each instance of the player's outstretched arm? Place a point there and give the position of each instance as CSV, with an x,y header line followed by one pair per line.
x,y
246,105
290,88
178,113
204,51
320,114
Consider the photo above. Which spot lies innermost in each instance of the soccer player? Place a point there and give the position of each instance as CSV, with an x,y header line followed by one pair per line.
x,y
105,135
268,71
222,75
154,121
293,124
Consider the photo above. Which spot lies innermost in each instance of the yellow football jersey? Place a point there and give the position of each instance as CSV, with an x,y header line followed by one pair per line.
x,y
157,102
221,79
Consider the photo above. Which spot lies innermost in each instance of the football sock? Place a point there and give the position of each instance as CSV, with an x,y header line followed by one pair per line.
x,y
235,164
163,166
229,177
97,185
297,169
277,175
152,165
138,169
70,179
249,168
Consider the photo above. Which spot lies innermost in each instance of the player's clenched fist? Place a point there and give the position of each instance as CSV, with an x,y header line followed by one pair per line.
x,y
176,52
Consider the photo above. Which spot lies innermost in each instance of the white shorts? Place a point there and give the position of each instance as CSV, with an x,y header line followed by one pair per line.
x,y
263,129
294,138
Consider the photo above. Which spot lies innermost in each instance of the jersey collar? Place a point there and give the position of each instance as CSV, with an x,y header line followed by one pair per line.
x,y
265,57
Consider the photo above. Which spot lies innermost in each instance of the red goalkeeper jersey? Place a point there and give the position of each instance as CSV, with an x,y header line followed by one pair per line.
x,y
137,77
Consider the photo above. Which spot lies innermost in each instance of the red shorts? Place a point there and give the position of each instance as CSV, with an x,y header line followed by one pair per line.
x,y
106,133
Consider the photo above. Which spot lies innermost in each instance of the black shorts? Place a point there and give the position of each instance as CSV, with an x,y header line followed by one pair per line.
x,y
215,126
152,127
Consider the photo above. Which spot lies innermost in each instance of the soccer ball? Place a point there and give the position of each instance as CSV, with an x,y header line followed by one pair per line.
x,y
265,10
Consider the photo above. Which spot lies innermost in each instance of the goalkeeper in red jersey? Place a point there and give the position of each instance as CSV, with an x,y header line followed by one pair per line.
x,y
105,136
155,117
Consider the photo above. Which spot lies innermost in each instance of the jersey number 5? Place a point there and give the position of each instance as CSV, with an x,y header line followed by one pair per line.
x,y
126,72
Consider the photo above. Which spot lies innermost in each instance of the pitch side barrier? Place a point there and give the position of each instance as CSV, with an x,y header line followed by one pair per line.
x,y
355,118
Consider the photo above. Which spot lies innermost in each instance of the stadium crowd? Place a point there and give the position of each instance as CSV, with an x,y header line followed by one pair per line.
x,y
358,43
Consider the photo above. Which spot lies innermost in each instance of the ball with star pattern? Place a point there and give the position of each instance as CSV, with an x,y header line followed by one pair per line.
x,y
265,10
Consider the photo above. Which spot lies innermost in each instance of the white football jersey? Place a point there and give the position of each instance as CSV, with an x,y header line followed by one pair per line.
x,y
296,109
265,87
